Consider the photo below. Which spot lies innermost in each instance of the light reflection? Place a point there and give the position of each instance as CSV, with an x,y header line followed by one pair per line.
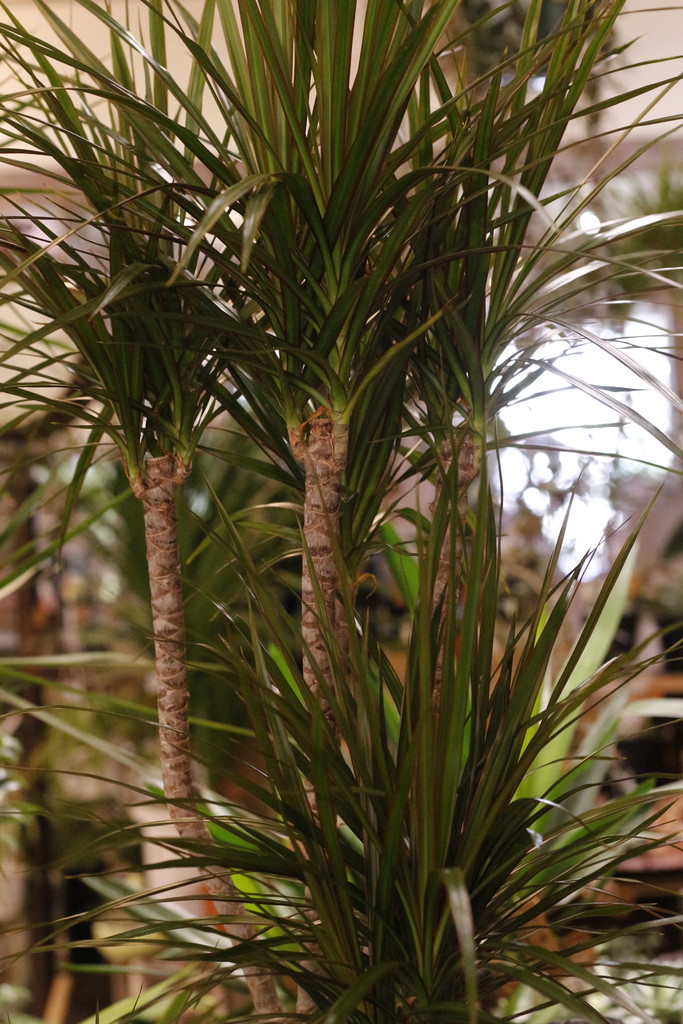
x,y
586,442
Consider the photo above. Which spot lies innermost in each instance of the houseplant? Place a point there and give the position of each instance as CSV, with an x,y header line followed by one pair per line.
x,y
349,251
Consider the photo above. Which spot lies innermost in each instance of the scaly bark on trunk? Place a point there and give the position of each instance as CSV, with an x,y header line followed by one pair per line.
x,y
157,490
449,573
323,455
323,458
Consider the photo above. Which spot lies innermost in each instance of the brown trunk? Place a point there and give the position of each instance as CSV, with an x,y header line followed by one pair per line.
x,y
449,574
322,612
324,463
157,490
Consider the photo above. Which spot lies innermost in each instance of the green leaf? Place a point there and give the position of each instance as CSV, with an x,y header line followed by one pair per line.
x,y
461,912
149,1000
345,1006
253,187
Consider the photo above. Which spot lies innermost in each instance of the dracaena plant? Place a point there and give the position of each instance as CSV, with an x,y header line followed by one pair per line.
x,y
143,352
329,234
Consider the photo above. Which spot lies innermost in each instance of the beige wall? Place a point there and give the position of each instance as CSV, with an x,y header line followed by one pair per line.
x,y
656,29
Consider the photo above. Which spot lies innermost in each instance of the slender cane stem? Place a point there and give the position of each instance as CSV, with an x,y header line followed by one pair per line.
x,y
320,573
157,490
322,616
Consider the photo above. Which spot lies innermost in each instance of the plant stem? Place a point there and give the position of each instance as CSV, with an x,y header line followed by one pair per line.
x,y
323,620
322,616
157,489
